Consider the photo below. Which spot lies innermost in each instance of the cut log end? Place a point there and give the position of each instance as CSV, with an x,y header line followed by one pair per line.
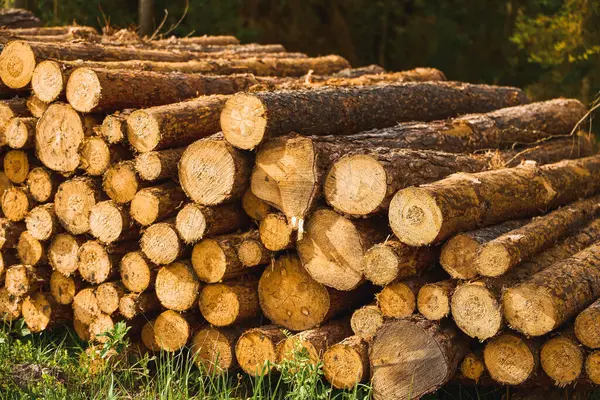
x,y
148,166
83,89
148,337
160,243
366,320
244,121
209,261
592,367
95,156
10,306
17,64
120,182
415,217
586,326
213,351
458,257
381,265
41,222
255,207
36,107
109,295
30,250
143,131
113,128
509,359
62,253
472,367
145,207
62,287
136,272
41,184
191,223
171,331
493,260
85,306
16,166
20,133
15,204
48,81
275,232
94,262
37,311
177,287
73,203
476,311
256,352
107,221
345,364
356,185
433,302
99,327
529,310
227,303
397,300
562,360
251,253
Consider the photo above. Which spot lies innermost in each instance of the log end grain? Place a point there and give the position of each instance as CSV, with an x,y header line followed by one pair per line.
x,y
94,262
10,306
36,107
113,128
529,310
177,286
143,131
16,166
225,304
256,351
366,320
562,360
120,182
109,295
95,156
17,63
15,204
244,121
107,221
433,302
255,207
73,203
397,300
586,327
41,222
62,253
458,256
149,166
20,132
37,311
16,280
213,351
209,261
85,306
137,272
415,217
83,89
252,252
275,232
145,207
472,367
101,325
171,331
41,184
48,81
30,250
148,337
493,259
592,367
381,264
509,359
346,364
191,223
160,243
476,311
62,287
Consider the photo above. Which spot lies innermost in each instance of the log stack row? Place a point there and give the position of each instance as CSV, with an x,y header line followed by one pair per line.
x,y
406,230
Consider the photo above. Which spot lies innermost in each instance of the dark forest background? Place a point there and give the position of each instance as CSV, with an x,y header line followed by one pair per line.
x,y
549,47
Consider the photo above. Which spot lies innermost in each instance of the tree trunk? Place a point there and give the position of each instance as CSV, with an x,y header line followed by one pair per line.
x,y
433,299
108,295
110,222
249,119
42,184
160,243
156,203
16,203
177,286
120,182
410,358
333,247
464,202
562,358
366,321
42,223
195,222
172,330
276,233
133,304
20,133
16,166
255,350
62,252
346,364
146,17
74,201
17,19
586,325
158,165
512,359
40,311
231,302
137,273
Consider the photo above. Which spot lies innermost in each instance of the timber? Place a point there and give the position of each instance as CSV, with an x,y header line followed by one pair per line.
x,y
433,299
110,222
194,222
16,166
133,304
16,203
511,359
157,165
231,302
30,250
156,203
585,326
62,252
137,273
74,201
160,243
120,182
42,223
213,349
254,207
173,330
63,288
366,320
20,133
562,358
276,233
177,286
255,350
42,184
346,364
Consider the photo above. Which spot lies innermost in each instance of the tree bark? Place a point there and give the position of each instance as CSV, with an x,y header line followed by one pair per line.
x,y
146,17
194,222
231,302
346,364
18,19
156,203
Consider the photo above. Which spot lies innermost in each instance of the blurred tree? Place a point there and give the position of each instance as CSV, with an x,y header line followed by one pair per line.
x,y
146,17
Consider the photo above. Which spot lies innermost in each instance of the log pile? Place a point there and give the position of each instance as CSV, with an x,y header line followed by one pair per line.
x,y
384,219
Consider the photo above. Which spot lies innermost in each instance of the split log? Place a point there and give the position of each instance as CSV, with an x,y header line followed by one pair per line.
x,y
275,232
114,126
586,326
433,299
399,299
30,250
85,306
229,303
62,252
40,311
120,182
20,133
160,243
173,330
36,107
42,223
211,172
110,222
251,252
256,348
366,321
472,366
23,279
346,364
157,165
175,125
16,166
103,90
213,349
592,367
74,201
477,306
137,273
134,304
249,119
9,233
291,298
410,358
108,295
544,301
460,251
431,213
98,263
177,286
156,203
511,359
392,260
333,247
42,184
16,203
63,288
562,358
254,207
9,109
10,306
101,325
194,222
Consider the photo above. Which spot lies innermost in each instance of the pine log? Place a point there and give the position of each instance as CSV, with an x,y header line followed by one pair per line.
x,y
204,40
16,203
346,364
11,108
42,223
85,306
366,321
30,250
472,366
98,263
120,182
544,301
103,90
74,201
62,252
42,184
410,358
256,348
276,233
114,127
96,156
10,306
137,273
100,326
505,252
157,165
110,222
399,299
40,311
23,279
156,203
511,359
16,166
460,251
586,326
431,213
211,172
177,286
254,207
251,252
160,243
63,288
592,367
213,349
9,233
231,302
391,260
49,79
433,299
333,247
562,358
36,107
291,298
108,295
248,119
173,330
134,304
477,306
20,132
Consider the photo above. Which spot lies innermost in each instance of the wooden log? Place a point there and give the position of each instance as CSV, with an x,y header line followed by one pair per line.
x,y
177,286
110,222
148,338
19,18
256,208
251,252
204,40
255,350
290,298
156,203
42,184
412,210
333,247
9,109
9,233
194,222
73,203
133,304
114,126
104,90
276,233
399,299
16,203
100,326
391,260
366,321
562,358
5,184
263,115
586,324
16,166
173,330
211,172
477,306
410,358
459,252
62,252
10,306
36,107
42,223
346,364
231,302
47,30
40,311
157,165
160,243
30,250
96,156
63,288
592,367
137,273
472,366
433,299
544,301
20,132
511,359
97,263
213,349
23,279
7,258
85,306
108,295
120,182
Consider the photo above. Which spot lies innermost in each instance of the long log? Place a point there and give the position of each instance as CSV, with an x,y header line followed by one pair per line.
x,y
229,303
153,204
586,326
18,18
346,364
433,212
410,358
47,30
74,201
256,349
249,119
512,359
194,222
177,286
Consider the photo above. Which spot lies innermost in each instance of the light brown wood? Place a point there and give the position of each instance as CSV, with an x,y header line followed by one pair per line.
x,y
586,325
213,349
20,133
133,304
16,203
160,243
433,299
255,207
346,364
30,250
85,306
42,184
156,203
562,358
120,182
62,252
255,350
9,233
194,221
10,306
173,330
108,295
74,201
24,279
228,303
137,273
42,223
276,233
366,320
63,288
110,222
511,359
40,311
16,166
177,286
156,165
